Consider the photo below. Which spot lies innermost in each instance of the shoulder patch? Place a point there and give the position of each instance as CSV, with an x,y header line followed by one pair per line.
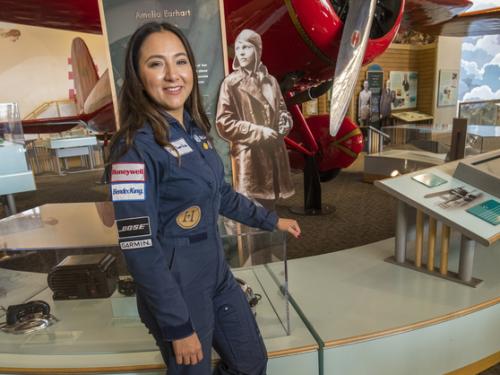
x,y
137,244
128,172
133,227
128,192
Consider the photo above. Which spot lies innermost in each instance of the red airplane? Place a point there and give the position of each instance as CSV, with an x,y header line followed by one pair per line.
x,y
327,41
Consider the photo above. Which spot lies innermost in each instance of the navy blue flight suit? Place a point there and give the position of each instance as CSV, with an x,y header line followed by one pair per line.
x,y
166,211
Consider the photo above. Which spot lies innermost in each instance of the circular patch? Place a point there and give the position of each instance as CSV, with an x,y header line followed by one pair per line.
x,y
189,218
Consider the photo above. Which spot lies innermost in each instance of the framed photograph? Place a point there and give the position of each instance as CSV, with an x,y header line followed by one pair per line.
x,y
447,88
404,84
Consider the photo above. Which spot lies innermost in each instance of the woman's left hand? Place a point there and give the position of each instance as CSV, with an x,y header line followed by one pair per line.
x,y
290,226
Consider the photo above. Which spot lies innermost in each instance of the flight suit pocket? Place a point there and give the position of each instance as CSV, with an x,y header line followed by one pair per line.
x,y
238,335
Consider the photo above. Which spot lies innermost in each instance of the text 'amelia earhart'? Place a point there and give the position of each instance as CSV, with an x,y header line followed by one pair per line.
x,y
166,13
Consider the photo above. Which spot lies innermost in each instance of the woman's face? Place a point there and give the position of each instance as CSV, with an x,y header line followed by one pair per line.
x,y
245,52
165,71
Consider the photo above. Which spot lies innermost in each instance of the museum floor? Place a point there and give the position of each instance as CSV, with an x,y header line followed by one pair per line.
x,y
364,214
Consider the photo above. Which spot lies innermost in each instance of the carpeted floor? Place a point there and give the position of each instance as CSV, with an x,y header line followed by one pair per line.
x,y
363,214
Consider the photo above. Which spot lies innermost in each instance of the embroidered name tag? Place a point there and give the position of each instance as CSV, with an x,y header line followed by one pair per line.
x,y
128,192
181,146
189,218
127,172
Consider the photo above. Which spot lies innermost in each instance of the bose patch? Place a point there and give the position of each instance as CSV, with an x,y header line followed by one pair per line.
x,y
128,172
128,192
137,244
181,146
189,218
133,227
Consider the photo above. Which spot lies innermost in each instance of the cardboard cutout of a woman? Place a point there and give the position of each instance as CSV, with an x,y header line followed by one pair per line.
x,y
364,105
251,114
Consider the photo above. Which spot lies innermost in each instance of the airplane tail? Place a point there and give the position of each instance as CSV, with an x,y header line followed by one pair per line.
x,y
84,71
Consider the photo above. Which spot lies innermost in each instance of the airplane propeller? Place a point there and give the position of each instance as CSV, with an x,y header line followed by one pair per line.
x,y
352,50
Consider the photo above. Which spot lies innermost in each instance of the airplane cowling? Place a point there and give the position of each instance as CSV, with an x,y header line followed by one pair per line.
x,y
339,151
334,152
303,36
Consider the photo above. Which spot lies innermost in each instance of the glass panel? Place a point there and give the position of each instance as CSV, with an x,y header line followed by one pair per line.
x,y
112,325
259,259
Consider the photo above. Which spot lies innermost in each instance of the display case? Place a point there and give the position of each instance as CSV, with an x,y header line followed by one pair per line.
x,y
480,112
34,241
15,174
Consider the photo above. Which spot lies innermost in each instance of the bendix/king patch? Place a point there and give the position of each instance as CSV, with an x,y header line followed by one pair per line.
x,y
137,244
128,192
133,227
128,172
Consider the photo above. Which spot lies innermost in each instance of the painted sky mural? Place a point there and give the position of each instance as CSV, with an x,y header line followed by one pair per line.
x,y
480,65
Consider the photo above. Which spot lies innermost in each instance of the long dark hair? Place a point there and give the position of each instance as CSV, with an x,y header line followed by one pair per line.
x,y
136,107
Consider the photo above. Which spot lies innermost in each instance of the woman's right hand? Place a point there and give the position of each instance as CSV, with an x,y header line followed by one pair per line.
x,y
269,134
188,350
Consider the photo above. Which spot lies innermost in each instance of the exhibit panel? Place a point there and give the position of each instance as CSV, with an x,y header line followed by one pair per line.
x,y
461,196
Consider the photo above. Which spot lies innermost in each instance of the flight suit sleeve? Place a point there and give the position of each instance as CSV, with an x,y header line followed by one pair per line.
x,y
230,124
135,193
237,207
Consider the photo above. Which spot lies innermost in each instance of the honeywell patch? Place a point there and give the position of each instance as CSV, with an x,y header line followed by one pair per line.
x,y
133,227
128,172
137,244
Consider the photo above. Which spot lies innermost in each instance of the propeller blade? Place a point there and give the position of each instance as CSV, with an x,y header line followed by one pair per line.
x,y
352,50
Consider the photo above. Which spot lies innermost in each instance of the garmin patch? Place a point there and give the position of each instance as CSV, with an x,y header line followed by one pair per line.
x,y
137,244
189,218
128,172
128,192
181,146
133,227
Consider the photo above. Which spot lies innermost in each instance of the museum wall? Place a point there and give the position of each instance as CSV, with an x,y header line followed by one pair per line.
x,y
449,53
34,65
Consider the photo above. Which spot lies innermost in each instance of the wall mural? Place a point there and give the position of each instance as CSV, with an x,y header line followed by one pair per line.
x,y
480,68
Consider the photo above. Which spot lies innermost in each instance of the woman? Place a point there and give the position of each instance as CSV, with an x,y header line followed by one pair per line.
x,y
168,188
251,114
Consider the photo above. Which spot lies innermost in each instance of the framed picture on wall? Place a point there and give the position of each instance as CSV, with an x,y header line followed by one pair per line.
x,y
404,85
447,88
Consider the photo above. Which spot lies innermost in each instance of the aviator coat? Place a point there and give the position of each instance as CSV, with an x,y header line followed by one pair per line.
x,y
261,168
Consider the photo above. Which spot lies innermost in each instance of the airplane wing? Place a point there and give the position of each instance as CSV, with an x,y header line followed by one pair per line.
x,y
101,121
449,18
75,15
482,22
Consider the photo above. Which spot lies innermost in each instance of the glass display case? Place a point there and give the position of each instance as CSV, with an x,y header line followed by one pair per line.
x,y
437,138
412,147
15,174
34,241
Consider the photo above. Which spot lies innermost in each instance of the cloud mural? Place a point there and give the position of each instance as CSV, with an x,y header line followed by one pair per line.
x,y
480,65
480,68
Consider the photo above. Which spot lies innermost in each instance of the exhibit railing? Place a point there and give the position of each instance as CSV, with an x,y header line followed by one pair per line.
x,y
54,108
374,139
480,112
